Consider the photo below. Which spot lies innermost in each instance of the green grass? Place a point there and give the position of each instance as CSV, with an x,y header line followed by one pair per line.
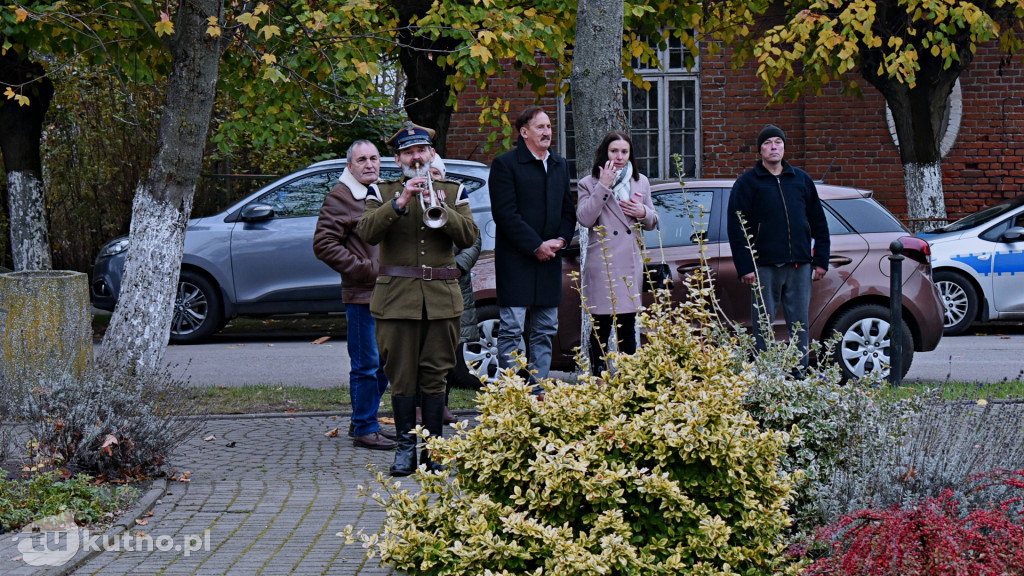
x,y
48,494
263,399
1004,390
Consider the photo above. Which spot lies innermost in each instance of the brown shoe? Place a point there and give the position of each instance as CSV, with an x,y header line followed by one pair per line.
x,y
388,433
449,417
374,442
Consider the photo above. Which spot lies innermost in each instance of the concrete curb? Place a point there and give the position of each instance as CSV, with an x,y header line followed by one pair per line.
x,y
126,522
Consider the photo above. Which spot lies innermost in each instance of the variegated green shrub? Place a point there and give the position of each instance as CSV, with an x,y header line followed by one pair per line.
x,y
657,469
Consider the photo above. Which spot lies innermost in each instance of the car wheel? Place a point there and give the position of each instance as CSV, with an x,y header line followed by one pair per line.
x,y
478,359
197,309
959,299
864,342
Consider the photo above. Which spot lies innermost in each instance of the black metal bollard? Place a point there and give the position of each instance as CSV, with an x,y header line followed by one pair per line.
x,y
896,313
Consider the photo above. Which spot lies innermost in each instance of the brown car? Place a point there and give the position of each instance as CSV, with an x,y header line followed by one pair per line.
x,y
852,299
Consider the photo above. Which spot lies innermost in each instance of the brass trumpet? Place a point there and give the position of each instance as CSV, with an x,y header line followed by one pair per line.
x,y
435,214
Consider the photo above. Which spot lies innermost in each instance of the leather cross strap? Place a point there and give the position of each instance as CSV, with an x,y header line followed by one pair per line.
x,y
421,272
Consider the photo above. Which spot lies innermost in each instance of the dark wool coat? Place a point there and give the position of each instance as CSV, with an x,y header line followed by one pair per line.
x,y
782,214
529,206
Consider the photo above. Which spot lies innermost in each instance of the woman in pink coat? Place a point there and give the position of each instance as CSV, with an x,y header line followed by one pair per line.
x,y
614,202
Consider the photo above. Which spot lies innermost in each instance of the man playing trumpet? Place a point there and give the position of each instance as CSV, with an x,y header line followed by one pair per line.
x,y
416,300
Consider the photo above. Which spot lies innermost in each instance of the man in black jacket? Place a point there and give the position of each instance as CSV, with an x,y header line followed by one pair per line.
x,y
534,219
785,221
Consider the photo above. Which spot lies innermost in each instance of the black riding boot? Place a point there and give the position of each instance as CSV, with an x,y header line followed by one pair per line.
x,y
433,420
405,421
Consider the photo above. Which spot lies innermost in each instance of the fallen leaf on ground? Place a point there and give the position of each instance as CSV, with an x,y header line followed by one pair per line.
x,y
321,340
210,437
110,440
230,445
141,522
332,433
386,420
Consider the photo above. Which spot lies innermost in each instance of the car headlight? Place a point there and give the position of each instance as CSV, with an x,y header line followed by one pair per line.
x,y
115,247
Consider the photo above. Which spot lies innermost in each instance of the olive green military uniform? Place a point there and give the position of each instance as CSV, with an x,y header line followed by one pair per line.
x,y
417,317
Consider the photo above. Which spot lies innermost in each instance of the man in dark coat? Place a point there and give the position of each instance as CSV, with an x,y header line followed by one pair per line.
x,y
534,219
786,225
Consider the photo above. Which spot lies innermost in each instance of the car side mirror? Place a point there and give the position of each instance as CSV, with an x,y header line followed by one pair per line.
x,y
257,213
1014,234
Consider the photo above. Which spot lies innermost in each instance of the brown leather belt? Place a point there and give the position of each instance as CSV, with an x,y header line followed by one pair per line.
x,y
421,272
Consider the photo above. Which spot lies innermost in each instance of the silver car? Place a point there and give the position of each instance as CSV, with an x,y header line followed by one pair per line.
x,y
256,258
978,266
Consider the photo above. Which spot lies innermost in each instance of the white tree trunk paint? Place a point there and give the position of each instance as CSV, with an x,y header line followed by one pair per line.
x,y
146,303
30,236
925,197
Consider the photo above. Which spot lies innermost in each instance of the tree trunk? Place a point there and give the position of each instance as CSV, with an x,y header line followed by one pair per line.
x,y
45,327
138,331
426,86
919,114
20,137
596,99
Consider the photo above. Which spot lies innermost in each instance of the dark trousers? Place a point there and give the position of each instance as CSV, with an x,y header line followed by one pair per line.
x,y
789,285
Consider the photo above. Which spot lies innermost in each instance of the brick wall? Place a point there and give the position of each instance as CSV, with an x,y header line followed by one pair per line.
x,y
846,136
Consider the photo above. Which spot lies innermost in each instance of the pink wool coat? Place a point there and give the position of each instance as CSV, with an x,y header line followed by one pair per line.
x,y
613,274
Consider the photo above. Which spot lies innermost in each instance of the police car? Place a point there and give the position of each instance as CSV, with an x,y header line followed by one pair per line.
x,y
978,266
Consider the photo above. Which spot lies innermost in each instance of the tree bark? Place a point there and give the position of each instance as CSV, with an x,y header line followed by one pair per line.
x,y
919,114
596,77
596,99
20,139
426,86
45,327
137,336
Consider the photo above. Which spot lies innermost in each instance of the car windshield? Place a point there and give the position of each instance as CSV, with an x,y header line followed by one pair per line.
x,y
983,217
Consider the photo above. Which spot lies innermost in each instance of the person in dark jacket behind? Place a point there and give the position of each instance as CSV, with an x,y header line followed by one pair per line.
x,y
339,245
534,220
785,222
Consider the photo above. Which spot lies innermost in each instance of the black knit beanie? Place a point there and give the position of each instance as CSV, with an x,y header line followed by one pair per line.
x,y
770,131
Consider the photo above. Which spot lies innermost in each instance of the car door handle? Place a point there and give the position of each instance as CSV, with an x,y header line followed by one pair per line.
x,y
838,261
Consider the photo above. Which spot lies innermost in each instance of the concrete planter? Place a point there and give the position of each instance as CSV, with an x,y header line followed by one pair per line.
x,y
45,325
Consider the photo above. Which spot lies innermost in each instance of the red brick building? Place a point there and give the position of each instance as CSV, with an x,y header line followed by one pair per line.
x,y
722,111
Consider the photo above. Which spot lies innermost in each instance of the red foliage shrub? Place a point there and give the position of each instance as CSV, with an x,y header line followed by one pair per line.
x,y
932,538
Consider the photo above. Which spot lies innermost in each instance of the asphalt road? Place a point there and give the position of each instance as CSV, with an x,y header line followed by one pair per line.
x,y
992,354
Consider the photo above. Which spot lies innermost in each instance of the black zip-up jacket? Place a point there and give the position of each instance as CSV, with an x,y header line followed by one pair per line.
x,y
782,214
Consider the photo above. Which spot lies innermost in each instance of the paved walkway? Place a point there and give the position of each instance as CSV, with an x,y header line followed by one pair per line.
x,y
266,495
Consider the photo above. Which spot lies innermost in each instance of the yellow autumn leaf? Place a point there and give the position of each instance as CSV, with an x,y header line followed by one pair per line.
x,y
214,27
261,8
274,75
269,32
164,27
481,52
486,37
20,15
362,67
269,58
249,20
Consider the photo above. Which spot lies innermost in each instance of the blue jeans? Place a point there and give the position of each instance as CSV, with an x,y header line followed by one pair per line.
x,y
366,380
789,285
543,325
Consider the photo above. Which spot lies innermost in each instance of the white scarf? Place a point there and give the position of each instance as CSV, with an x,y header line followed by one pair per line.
x,y
621,185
